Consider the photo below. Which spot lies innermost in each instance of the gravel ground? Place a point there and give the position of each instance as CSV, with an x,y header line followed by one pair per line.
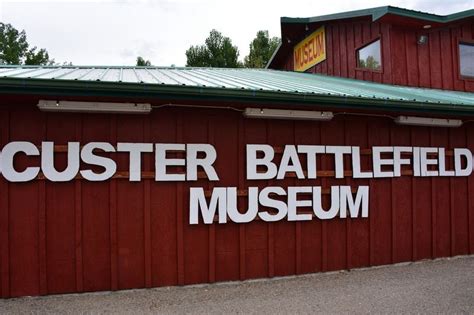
x,y
439,286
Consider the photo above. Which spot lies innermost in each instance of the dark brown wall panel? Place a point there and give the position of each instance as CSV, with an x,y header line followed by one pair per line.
x,y
25,203
164,216
309,234
4,212
380,212
402,211
96,240
83,236
197,253
60,204
423,218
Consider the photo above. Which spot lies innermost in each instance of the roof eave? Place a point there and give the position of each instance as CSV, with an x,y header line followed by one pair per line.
x,y
273,56
379,12
65,88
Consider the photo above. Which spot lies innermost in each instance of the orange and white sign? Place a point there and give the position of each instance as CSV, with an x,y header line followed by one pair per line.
x,y
310,51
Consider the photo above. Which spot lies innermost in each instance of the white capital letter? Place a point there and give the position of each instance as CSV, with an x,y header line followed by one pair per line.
x,y
192,161
161,162
88,156
135,150
8,154
458,153
197,201
347,200
266,160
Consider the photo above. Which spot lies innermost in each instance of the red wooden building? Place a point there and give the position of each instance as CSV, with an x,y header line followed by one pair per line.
x,y
78,212
414,48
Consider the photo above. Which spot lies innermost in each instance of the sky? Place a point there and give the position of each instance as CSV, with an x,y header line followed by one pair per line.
x,y
115,32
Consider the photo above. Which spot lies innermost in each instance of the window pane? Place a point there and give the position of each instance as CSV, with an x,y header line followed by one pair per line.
x,y
466,54
369,56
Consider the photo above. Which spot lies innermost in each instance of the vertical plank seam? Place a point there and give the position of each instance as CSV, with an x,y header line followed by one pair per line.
x,y
413,208
298,263
78,236
418,70
147,209
429,63
42,221
5,231
451,207
348,221
469,201
371,220
406,57
113,216
242,235
179,214
212,227
271,241
324,250
434,209
453,58
5,242
392,210
78,220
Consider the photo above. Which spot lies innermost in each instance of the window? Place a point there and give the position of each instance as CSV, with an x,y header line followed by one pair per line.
x,y
368,57
466,57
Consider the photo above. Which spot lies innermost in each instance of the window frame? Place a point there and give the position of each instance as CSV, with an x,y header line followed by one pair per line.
x,y
369,42
469,42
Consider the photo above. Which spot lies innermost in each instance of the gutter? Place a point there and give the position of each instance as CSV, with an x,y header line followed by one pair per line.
x,y
65,88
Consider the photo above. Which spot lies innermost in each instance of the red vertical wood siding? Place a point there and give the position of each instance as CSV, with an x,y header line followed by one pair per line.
x,y
404,61
83,236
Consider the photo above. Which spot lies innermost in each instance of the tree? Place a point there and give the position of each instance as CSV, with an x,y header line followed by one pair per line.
x,y
217,51
37,58
141,62
14,48
261,50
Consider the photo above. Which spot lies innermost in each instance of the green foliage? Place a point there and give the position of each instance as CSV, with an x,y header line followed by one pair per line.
x,y
369,63
14,48
217,51
141,62
261,50
37,58
372,63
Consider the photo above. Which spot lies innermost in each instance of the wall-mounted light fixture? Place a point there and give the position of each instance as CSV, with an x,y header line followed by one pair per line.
x,y
422,40
428,122
93,107
266,113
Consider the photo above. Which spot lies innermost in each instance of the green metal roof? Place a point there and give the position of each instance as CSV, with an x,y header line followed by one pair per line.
x,y
244,85
377,13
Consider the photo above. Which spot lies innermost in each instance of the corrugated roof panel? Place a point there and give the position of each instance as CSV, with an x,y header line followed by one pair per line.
x,y
189,80
204,78
228,81
111,75
250,80
162,77
128,76
240,79
26,72
90,75
146,77
8,70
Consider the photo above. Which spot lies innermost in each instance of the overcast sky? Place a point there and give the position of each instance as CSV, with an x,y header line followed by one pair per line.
x,y
115,32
